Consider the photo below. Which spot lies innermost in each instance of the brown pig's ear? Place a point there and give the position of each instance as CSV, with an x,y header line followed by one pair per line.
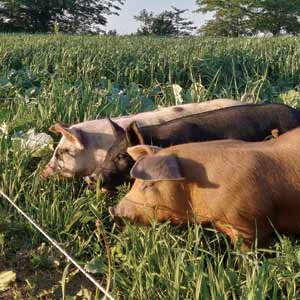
x,y
136,152
117,130
157,168
68,133
134,135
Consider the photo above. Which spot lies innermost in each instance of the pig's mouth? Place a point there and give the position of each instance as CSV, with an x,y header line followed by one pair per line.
x,y
92,185
91,181
117,219
107,178
151,211
56,172
52,169
61,172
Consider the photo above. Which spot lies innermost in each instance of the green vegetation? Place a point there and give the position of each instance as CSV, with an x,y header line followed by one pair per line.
x,y
242,17
44,79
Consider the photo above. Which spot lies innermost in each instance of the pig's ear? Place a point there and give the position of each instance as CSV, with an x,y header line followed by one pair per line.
x,y
157,168
117,130
133,134
58,128
68,133
136,152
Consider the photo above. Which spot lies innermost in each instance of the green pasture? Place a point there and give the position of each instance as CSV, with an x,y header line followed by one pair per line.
x,y
50,78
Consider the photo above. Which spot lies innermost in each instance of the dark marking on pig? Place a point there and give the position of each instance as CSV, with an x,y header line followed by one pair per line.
x,y
178,109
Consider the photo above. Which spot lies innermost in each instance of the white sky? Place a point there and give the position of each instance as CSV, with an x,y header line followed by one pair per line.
x,y
125,23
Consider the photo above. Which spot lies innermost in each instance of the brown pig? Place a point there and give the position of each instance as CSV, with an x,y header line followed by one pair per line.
x,y
83,146
245,189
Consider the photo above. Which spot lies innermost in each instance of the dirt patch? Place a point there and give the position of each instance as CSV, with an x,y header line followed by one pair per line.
x,y
45,284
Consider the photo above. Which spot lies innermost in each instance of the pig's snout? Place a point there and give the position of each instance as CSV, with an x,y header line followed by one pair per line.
x,y
93,177
128,210
91,181
47,172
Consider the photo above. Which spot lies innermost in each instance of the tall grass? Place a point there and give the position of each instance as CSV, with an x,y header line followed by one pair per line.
x,y
44,79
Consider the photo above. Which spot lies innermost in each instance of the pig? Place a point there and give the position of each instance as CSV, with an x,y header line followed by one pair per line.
x,y
248,122
83,146
244,189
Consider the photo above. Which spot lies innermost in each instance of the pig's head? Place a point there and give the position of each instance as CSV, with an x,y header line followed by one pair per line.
x,y
117,164
159,191
71,157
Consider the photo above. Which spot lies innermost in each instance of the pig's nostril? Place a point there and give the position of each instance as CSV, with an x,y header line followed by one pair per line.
x,y
44,175
48,171
90,180
94,178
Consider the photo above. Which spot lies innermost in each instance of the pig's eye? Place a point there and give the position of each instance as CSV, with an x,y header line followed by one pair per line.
x,y
146,185
61,152
121,156
70,153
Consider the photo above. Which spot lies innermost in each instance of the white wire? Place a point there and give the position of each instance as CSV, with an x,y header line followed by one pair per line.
x,y
55,244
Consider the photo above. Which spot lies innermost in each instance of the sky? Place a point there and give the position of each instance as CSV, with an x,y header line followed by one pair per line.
x,y
125,23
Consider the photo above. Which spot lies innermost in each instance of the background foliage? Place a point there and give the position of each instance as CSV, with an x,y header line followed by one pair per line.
x,y
242,17
166,23
71,16
45,79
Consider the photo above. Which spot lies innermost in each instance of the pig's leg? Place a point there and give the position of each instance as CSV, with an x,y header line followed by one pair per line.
x,y
234,235
247,235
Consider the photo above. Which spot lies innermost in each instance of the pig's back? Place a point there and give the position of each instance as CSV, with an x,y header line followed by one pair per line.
x,y
230,160
155,117
246,179
170,113
247,122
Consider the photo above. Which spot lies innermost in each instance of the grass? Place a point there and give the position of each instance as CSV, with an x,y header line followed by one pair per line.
x,y
44,79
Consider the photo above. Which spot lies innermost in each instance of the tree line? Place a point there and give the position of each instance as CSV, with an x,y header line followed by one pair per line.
x,y
231,18
250,17
69,16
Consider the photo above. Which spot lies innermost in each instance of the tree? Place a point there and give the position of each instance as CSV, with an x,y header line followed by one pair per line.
x,y
155,24
276,16
230,19
73,16
112,32
165,23
181,24
243,17
146,18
